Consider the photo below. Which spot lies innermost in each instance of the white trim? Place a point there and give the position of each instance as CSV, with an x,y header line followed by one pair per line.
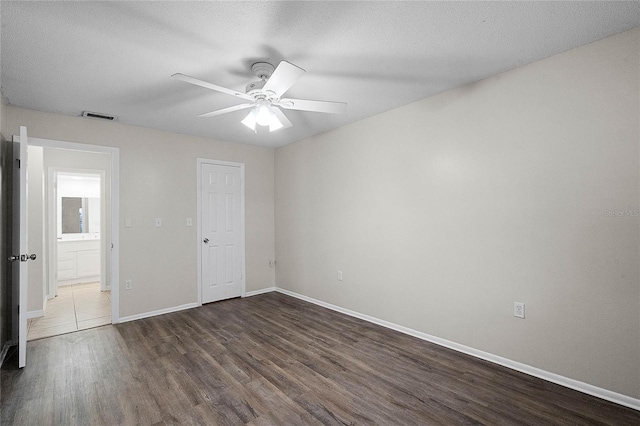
x,y
608,395
35,314
199,163
115,209
51,237
158,312
257,292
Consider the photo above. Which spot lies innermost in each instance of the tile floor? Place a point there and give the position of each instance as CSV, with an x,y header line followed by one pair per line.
x,y
77,307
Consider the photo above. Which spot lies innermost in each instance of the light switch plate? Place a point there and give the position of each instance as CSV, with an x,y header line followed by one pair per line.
x,y
127,222
158,222
189,222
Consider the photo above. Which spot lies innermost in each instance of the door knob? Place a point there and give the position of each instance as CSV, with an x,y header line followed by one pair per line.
x,y
206,241
22,257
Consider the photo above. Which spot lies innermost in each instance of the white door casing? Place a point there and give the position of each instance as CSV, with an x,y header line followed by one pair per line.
x,y
221,230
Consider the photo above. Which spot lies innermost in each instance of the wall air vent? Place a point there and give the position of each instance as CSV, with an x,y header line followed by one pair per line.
x,y
99,116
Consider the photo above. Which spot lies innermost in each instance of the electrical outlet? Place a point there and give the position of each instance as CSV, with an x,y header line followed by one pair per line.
x,y
128,285
339,275
272,264
518,309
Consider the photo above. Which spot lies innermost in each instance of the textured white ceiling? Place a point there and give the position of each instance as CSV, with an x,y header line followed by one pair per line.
x,y
117,57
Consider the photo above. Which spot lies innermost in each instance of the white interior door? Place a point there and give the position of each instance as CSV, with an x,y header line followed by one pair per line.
x,y
222,231
20,252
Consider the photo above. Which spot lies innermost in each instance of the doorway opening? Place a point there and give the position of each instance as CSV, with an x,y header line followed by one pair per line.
x,y
77,293
71,288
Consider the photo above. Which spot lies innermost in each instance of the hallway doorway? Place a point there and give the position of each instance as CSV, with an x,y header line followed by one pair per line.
x,y
71,288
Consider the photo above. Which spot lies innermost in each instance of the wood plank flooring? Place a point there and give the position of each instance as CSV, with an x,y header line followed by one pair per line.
x,y
275,360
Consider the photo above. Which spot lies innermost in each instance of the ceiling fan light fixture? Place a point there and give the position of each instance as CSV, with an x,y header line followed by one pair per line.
x,y
250,120
265,96
264,115
275,124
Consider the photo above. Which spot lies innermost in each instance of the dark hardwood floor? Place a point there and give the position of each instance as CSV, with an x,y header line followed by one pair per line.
x,y
275,360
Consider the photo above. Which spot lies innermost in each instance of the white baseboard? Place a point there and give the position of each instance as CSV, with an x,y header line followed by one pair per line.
x,y
158,312
608,395
185,306
257,292
35,314
39,313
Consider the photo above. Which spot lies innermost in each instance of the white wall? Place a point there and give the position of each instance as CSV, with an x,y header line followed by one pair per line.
x,y
158,179
444,212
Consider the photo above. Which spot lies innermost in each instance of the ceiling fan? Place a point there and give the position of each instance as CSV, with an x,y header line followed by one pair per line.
x,y
265,96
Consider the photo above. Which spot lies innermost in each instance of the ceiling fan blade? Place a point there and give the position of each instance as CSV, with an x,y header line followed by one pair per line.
x,y
283,118
226,110
211,86
284,76
315,106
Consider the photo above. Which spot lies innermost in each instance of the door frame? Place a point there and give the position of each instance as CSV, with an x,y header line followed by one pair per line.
x,y
200,162
114,188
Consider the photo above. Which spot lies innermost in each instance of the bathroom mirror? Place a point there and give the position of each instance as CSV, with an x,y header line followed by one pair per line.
x,y
78,205
79,215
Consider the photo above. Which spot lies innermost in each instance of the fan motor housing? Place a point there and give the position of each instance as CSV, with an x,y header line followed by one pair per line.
x,y
255,86
262,70
254,89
